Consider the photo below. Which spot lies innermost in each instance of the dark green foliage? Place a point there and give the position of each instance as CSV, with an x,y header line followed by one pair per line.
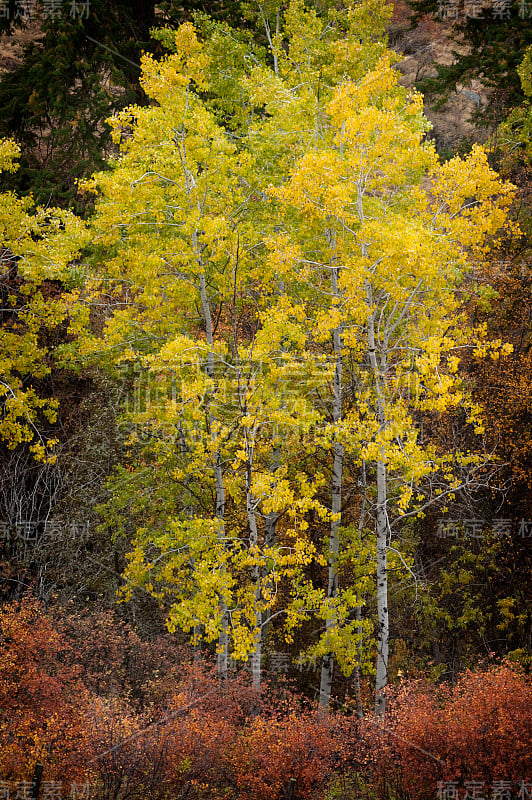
x,y
55,104
228,11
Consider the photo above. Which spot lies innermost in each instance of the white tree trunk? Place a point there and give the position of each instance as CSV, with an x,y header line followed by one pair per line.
x,y
357,679
382,592
222,656
256,656
223,644
381,522
327,665
381,511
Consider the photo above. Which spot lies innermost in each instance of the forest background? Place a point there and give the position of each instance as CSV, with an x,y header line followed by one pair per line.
x,y
266,381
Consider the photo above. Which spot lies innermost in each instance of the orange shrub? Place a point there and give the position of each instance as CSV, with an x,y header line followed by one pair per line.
x,y
41,698
480,729
270,752
226,741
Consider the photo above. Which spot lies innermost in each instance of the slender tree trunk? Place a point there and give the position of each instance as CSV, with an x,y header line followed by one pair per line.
x,y
222,656
327,665
270,534
256,656
358,610
381,511
357,674
268,32
271,518
382,592
223,638
381,525
36,782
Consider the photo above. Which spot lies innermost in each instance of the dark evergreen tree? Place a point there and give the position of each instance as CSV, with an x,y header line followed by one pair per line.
x,y
55,104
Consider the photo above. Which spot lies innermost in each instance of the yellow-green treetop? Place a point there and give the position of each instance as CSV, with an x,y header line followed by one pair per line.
x,y
36,247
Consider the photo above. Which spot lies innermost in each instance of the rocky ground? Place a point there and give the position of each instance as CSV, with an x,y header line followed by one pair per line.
x,y
429,43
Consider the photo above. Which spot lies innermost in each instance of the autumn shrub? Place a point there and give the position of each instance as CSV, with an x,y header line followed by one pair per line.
x,y
191,735
479,730
229,741
127,752
114,659
70,698
269,753
200,743
205,718
41,698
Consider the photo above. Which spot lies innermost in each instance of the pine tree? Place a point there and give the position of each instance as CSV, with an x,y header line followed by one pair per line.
x,y
55,103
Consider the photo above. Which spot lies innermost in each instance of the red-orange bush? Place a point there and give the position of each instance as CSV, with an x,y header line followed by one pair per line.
x,y
480,729
41,697
127,752
115,660
202,722
66,689
271,752
229,742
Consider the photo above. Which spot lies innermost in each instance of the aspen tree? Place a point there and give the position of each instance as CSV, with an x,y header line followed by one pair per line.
x,y
173,233
328,222
404,226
